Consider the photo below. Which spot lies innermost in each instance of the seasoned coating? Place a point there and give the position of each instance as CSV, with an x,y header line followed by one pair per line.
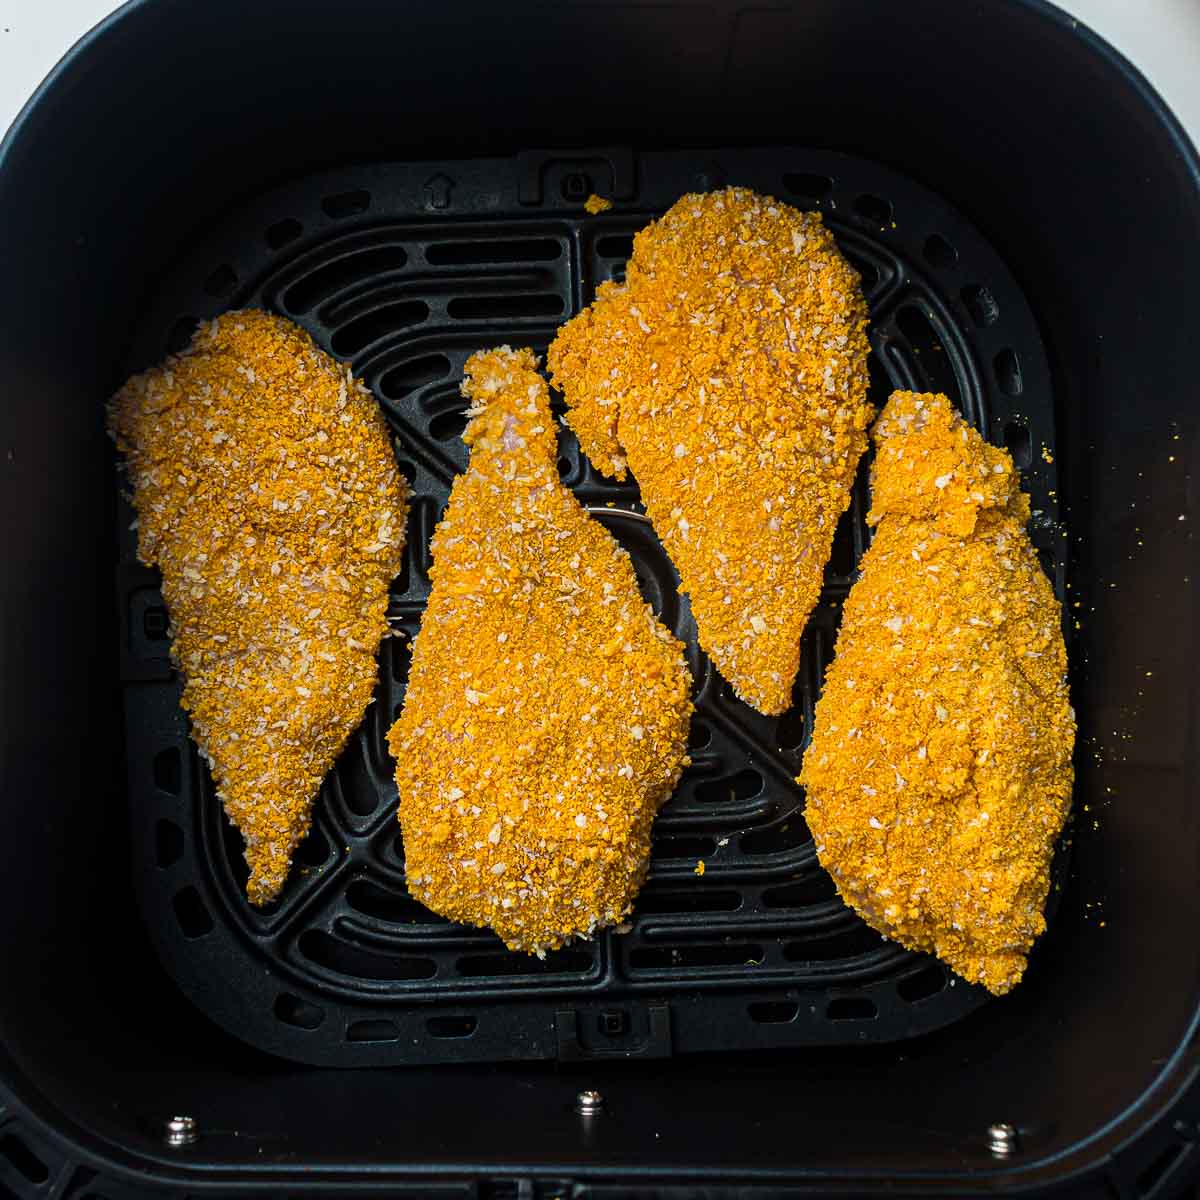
x,y
729,373
939,774
268,496
547,711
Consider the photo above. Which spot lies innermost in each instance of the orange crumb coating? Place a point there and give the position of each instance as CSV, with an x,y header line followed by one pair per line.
x,y
269,498
547,710
939,774
729,373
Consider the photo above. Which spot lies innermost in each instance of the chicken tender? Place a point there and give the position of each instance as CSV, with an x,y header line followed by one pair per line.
x,y
729,373
939,774
268,496
547,711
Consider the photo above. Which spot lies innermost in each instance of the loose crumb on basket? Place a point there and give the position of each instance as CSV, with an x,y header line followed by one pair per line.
x,y
597,204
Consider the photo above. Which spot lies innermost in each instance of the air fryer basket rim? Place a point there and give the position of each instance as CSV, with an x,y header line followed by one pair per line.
x,y
1172,1098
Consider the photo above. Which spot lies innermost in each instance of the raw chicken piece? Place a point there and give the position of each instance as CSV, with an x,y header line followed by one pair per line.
x,y
729,374
547,711
268,495
939,773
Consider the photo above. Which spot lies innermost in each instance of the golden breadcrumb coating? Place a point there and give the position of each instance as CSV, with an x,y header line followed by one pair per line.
x,y
547,710
268,496
729,373
939,774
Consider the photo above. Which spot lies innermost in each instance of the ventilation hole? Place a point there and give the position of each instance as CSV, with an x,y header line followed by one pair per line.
x,y
731,788
808,187
360,793
315,850
221,282
479,308
396,908
448,426
617,274
565,466
372,1031
155,623
291,1010
869,274
398,840
527,250
451,1027
1006,366
841,551
22,1159
558,962
333,277
576,186
928,981
168,844
981,305
235,852
816,889
414,374
699,735
335,955
615,245
791,728
1159,1168
168,771
379,323
850,944
773,1012
346,204
401,650
693,900
683,847
788,835
873,210
664,957
851,1008
1019,443
179,336
191,913
929,354
939,252
282,232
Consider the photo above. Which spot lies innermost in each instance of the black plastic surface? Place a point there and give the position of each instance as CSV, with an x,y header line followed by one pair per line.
x,y
174,114
760,951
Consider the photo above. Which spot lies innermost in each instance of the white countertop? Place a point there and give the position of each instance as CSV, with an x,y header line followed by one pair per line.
x,y
1161,37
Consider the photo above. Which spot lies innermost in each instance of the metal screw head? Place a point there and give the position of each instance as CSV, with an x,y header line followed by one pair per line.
x,y
180,1131
589,1104
1002,1139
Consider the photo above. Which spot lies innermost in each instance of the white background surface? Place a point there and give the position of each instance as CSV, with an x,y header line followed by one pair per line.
x,y
1162,37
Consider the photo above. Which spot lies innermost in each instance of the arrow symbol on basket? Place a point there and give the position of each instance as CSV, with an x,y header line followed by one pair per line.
x,y
437,191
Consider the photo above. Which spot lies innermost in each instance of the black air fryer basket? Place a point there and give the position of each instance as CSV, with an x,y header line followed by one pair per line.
x,y
407,182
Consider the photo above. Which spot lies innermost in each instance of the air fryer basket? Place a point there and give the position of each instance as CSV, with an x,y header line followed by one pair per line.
x,y
1026,215
759,949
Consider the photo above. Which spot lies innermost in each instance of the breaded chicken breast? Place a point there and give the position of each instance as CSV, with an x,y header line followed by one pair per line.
x,y
729,374
939,774
547,711
269,498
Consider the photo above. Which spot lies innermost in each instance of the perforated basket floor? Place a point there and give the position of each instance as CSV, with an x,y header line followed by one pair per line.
x,y
403,271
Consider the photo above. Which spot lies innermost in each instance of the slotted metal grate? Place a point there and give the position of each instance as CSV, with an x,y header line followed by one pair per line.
x,y
404,271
